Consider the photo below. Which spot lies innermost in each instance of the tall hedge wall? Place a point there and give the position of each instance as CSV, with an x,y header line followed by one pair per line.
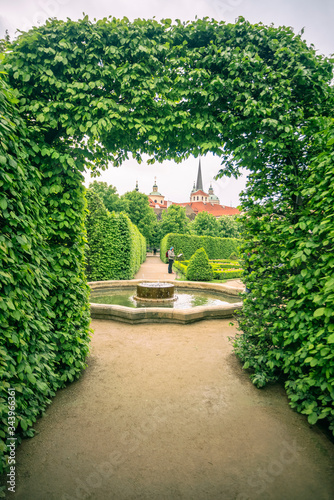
x,y
216,248
287,328
115,247
43,341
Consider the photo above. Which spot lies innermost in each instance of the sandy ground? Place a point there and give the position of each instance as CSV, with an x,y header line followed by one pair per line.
x,y
165,412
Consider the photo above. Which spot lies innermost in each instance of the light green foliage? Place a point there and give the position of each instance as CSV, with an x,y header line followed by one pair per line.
x,y
116,248
174,220
140,213
205,224
93,93
199,268
287,318
229,226
109,196
216,248
27,353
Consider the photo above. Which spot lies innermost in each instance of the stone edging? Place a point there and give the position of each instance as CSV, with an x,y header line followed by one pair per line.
x,y
161,314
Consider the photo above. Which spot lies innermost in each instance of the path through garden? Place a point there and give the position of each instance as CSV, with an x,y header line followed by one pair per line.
x,y
165,412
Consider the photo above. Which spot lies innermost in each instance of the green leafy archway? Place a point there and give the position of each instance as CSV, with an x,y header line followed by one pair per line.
x,y
93,93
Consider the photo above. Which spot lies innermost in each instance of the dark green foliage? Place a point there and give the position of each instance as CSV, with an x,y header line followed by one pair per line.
x,y
216,248
287,318
27,352
109,196
174,220
205,224
140,213
44,300
229,226
116,248
199,268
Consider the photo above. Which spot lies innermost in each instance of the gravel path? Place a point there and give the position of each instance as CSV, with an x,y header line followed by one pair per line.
x,y
165,412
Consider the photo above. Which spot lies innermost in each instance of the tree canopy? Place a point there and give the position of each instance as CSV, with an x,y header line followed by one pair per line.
x,y
109,196
205,224
174,220
140,213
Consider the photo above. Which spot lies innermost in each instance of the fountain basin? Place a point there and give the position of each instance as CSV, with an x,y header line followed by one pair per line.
x,y
163,314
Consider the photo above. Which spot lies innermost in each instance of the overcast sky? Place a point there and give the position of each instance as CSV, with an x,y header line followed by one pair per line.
x,y
175,181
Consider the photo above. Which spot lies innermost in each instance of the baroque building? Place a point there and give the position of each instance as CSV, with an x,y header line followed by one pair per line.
x,y
200,201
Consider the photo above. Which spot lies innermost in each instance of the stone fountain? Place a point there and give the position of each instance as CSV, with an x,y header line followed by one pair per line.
x,y
155,293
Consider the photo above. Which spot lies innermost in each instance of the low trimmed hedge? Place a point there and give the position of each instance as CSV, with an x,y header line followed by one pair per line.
x,y
221,270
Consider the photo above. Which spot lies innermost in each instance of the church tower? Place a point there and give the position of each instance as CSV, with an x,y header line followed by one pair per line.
x,y
197,193
155,196
199,183
212,197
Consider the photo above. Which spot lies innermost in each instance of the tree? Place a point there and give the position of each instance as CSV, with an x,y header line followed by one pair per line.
x,y
140,213
109,196
174,220
205,224
229,227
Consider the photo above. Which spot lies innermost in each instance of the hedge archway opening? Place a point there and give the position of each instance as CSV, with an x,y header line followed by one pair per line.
x,y
91,93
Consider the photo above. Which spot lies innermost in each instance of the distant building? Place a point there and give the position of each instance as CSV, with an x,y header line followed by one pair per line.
x,y
200,201
157,200
197,193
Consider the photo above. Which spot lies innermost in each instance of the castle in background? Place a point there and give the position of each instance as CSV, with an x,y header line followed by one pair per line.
x,y
200,201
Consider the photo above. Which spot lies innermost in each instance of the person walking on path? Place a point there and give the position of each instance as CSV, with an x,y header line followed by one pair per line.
x,y
171,258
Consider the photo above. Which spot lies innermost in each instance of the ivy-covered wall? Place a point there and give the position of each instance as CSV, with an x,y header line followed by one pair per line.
x,y
216,248
115,247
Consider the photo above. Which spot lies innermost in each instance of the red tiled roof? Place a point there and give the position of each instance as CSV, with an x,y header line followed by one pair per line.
x,y
216,210
199,193
154,205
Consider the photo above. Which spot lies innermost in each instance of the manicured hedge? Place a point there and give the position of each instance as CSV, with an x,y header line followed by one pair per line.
x,y
199,268
44,311
223,270
216,248
116,248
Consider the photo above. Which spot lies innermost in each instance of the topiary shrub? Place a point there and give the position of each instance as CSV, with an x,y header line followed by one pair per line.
x,y
199,268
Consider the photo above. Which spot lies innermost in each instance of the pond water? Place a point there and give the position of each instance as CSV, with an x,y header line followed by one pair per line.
x,y
185,298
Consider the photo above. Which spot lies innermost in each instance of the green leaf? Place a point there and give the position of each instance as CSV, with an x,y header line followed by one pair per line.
x,y
3,203
313,418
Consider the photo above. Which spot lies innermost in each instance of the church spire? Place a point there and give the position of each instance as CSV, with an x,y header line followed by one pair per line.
x,y
199,183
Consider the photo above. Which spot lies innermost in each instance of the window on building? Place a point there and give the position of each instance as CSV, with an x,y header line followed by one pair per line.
x,y
155,201
197,197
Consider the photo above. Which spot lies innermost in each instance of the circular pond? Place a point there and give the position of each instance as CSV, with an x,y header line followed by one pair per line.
x,y
116,301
